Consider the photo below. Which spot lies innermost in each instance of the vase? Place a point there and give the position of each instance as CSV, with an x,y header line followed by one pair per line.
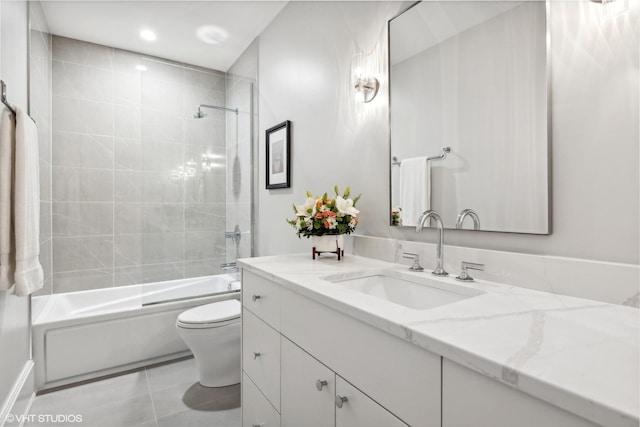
x,y
333,243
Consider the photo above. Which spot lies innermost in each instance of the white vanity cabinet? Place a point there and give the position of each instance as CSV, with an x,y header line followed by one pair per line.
x,y
387,381
472,399
260,352
359,410
308,389
315,396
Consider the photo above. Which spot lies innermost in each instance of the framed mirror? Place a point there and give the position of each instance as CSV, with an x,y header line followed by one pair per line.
x,y
469,115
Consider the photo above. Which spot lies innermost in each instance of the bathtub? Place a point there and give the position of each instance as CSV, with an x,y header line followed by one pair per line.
x,y
83,335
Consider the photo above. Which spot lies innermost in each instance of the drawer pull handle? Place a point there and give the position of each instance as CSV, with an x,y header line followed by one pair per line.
x,y
340,400
257,425
256,355
256,297
320,384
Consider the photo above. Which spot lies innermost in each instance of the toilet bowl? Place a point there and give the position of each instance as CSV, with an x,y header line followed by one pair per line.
x,y
212,333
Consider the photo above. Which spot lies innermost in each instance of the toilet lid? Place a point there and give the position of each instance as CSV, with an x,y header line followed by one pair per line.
x,y
212,313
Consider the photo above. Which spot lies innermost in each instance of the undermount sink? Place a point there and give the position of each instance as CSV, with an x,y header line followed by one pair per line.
x,y
418,293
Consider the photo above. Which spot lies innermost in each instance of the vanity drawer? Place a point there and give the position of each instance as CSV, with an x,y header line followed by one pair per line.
x,y
256,409
261,356
262,297
400,376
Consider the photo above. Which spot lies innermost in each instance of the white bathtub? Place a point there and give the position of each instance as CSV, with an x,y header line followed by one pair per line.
x,y
88,334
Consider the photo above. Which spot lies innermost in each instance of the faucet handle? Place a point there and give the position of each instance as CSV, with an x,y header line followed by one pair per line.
x,y
464,274
416,261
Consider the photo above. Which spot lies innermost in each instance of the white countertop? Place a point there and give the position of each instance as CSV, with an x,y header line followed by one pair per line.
x,y
578,354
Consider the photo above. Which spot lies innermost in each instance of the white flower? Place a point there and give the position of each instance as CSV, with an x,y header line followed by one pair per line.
x,y
345,207
353,223
303,210
331,222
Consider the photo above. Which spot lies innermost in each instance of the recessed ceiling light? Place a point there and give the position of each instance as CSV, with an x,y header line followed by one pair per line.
x,y
148,35
141,67
212,34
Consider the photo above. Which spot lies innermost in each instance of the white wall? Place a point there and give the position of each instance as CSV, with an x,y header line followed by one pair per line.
x,y
304,72
14,311
304,76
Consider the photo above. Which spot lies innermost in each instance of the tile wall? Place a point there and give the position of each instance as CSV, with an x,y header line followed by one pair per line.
x,y
40,52
242,93
123,211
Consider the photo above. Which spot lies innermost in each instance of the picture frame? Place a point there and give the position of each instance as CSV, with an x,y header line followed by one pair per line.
x,y
278,155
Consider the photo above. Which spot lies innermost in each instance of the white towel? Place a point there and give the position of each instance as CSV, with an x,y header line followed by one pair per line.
x,y
415,189
7,244
29,275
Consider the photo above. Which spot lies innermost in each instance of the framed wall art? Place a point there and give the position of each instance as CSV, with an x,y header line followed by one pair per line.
x,y
278,150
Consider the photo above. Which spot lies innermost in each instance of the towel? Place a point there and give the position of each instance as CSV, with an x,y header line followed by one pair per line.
x,y
7,244
415,189
29,276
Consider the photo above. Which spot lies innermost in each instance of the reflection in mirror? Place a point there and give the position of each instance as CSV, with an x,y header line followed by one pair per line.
x,y
471,77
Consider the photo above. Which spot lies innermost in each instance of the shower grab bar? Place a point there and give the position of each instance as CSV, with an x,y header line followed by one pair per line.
x,y
445,151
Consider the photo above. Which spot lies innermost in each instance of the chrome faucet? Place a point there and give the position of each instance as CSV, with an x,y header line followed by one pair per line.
x,y
464,271
416,261
472,214
439,271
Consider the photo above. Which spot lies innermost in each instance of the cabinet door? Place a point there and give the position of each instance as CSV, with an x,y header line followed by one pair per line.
x,y
261,356
402,377
256,409
358,410
262,297
471,399
308,389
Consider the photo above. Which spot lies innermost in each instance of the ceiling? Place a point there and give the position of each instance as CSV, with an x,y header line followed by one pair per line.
x,y
210,34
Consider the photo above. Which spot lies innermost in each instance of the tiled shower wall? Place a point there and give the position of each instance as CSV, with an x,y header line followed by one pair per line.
x,y
122,212
242,94
40,110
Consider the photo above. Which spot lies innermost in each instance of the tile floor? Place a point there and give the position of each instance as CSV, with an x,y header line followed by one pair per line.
x,y
167,395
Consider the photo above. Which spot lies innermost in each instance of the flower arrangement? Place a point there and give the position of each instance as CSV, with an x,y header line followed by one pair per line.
x,y
395,216
320,216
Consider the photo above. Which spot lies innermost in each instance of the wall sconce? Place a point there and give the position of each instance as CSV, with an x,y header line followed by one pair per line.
x,y
365,84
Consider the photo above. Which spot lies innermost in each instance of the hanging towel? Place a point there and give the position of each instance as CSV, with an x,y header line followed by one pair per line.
x,y
29,275
415,189
7,243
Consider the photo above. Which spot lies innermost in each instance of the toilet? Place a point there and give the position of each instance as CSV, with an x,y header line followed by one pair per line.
x,y
212,332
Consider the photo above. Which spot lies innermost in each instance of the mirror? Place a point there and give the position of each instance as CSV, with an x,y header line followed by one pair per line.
x,y
469,115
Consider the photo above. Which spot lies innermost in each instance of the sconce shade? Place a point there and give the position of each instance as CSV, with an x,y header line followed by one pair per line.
x,y
364,68
366,88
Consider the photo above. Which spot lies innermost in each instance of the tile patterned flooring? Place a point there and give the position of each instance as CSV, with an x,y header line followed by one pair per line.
x,y
166,395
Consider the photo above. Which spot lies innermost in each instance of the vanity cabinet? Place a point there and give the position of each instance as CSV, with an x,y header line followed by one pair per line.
x,y
308,389
387,381
256,409
315,396
360,410
260,352
472,399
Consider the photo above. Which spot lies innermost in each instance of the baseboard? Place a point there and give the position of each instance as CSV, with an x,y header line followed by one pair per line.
x,y
9,406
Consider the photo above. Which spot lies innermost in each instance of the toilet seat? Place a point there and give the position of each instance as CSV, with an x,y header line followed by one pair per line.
x,y
212,315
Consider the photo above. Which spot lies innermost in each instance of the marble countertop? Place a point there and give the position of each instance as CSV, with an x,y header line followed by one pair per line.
x,y
578,354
